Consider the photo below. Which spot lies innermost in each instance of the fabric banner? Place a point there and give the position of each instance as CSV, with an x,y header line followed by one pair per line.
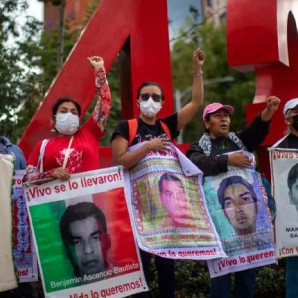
x,y
284,176
7,274
168,206
237,203
83,236
25,259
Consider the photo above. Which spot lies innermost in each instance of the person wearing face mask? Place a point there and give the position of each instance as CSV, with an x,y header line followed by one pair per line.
x,y
158,133
290,141
74,149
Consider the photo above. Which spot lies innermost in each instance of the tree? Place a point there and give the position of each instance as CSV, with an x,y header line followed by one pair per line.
x,y
230,86
15,83
29,65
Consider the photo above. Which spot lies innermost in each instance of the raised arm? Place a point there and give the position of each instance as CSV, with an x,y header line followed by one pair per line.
x,y
102,108
255,133
186,114
272,104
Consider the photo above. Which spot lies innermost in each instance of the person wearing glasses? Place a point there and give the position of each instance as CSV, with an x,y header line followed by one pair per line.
x,y
156,135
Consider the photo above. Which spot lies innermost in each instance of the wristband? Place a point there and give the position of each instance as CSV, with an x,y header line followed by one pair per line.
x,y
197,74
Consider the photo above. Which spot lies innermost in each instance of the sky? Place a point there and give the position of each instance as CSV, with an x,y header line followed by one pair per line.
x,y
35,9
177,12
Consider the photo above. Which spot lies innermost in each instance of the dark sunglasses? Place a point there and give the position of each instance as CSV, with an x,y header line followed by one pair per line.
x,y
155,97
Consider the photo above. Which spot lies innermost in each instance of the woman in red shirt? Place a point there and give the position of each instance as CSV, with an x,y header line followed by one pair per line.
x,y
74,149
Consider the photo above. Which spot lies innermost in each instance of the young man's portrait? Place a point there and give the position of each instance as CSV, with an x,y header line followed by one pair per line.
x,y
292,182
239,203
83,230
172,196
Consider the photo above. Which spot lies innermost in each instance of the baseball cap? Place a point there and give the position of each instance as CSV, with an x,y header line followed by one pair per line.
x,y
291,104
213,107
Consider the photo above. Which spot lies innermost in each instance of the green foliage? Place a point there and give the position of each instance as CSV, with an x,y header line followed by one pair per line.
x,y
16,84
193,280
221,83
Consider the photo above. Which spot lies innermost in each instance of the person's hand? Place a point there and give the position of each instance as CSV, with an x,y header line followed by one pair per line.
x,y
60,173
158,144
239,159
96,62
198,60
272,104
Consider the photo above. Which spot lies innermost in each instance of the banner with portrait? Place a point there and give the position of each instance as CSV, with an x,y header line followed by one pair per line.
x,y
237,203
7,273
284,176
83,236
24,254
168,207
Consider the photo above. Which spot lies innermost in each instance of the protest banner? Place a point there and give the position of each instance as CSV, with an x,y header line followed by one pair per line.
x,y
24,254
83,236
169,211
7,274
284,176
236,201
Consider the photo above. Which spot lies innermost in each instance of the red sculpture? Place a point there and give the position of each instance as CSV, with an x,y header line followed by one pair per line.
x,y
136,29
261,35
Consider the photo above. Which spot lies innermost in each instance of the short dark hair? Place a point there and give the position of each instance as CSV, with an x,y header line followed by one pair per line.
x,y
168,177
79,211
63,100
292,176
147,83
75,212
230,181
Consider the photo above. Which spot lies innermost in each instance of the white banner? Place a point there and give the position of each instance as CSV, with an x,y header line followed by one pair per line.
x,y
284,176
83,236
7,274
169,210
237,202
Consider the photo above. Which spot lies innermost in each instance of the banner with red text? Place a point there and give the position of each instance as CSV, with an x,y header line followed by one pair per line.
x,y
237,202
284,176
83,236
168,206
24,254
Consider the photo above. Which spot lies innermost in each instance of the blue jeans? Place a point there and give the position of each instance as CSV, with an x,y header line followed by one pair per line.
x,y
166,275
292,277
244,285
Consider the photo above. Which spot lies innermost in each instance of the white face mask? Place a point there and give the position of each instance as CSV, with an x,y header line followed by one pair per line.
x,y
67,123
149,107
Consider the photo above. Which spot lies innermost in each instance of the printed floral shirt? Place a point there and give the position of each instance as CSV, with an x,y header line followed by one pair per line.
x,y
84,151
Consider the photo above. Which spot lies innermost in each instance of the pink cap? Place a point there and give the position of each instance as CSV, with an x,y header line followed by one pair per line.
x,y
213,107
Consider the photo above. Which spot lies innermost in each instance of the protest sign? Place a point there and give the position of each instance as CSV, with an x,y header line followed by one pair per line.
x,y
284,176
24,254
7,274
169,211
83,236
237,203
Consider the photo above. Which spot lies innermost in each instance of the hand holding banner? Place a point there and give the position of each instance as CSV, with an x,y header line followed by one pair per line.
x,y
83,236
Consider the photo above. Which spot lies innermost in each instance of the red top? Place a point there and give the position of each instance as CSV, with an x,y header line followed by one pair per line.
x,y
84,151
